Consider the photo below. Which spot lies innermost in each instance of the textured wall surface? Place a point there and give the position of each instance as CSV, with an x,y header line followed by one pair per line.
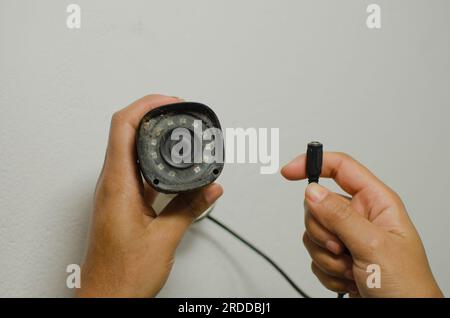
x,y
311,68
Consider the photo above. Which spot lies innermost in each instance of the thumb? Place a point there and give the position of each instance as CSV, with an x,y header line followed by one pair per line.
x,y
336,214
179,214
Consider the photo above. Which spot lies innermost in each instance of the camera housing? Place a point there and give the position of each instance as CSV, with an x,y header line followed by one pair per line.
x,y
156,154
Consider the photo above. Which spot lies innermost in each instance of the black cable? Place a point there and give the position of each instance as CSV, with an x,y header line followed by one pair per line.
x,y
256,250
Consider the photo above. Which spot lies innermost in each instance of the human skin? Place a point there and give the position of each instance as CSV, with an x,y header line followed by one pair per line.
x,y
131,249
344,235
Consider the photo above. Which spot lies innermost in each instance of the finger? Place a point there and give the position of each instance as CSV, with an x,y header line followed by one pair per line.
x,y
336,214
121,158
321,236
351,176
175,219
338,285
334,265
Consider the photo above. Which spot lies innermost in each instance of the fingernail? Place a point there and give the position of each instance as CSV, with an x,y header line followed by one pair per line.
x,y
213,193
316,192
333,247
349,274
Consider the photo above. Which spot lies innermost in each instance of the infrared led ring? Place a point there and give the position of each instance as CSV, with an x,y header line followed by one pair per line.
x,y
180,147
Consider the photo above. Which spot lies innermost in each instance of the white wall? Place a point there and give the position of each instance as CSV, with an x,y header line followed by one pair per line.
x,y
311,68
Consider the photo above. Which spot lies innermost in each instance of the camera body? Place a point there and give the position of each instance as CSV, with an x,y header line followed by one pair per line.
x,y
180,147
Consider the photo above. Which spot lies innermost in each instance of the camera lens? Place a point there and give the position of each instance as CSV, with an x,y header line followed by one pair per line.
x,y
178,159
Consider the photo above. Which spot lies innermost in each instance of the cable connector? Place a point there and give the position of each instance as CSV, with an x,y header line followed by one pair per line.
x,y
314,156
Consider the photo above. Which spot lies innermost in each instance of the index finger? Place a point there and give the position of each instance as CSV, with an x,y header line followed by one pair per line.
x,y
348,173
121,153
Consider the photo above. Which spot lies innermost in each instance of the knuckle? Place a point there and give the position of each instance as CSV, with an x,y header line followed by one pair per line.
x,y
305,238
107,188
117,118
314,269
154,95
151,96
373,245
308,222
326,280
395,197
345,156
314,233
329,282
335,285
343,213
328,265
338,268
